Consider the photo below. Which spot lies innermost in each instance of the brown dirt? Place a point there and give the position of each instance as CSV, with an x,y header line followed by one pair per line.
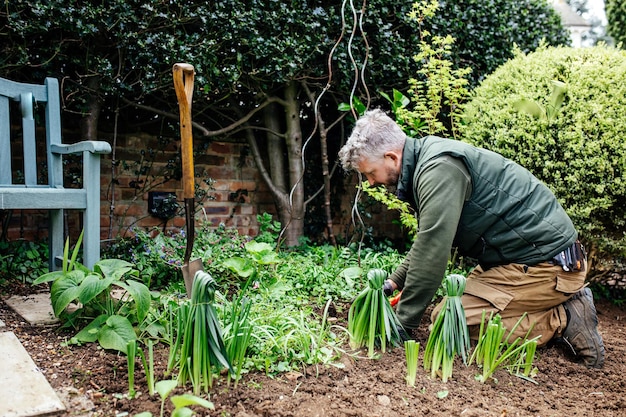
x,y
92,382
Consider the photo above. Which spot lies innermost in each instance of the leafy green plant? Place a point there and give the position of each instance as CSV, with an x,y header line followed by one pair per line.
x,y
494,351
23,260
269,229
250,267
157,256
449,335
407,214
91,292
371,319
411,352
202,346
181,402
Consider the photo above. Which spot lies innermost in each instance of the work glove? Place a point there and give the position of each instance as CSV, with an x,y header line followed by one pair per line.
x,y
387,288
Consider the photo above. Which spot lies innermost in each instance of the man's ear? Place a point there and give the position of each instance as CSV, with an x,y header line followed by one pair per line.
x,y
396,157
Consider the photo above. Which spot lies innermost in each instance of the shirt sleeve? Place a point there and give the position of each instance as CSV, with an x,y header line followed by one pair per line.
x,y
442,188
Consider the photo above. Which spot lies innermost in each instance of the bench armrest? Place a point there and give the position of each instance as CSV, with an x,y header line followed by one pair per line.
x,y
93,146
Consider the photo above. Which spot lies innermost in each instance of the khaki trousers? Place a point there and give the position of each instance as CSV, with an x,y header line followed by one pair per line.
x,y
510,290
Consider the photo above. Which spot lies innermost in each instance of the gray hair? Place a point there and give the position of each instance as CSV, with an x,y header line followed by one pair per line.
x,y
374,134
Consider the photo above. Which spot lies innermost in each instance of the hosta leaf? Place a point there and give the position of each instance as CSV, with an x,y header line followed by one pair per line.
x,y
116,333
114,268
50,276
90,333
140,293
93,285
65,290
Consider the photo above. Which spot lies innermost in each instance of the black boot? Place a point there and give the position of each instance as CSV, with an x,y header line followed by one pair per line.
x,y
581,333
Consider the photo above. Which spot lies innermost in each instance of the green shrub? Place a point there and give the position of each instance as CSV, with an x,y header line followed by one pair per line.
x,y
616,15
577,147
22,260
486,30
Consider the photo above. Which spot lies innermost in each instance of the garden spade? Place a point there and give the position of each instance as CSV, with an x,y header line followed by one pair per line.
x,y
183,84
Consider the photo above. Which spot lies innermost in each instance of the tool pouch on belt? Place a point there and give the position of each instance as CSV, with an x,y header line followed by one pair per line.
x,y
571,259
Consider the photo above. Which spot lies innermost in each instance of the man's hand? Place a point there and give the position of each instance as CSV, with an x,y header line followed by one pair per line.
x,y
389,287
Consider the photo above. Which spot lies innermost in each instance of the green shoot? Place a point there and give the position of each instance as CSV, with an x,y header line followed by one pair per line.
x,y
238,337
180,402
148,366
131,350
493,351
411,351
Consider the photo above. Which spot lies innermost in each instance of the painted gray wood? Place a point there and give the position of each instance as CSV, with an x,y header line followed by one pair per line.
x,y
49,194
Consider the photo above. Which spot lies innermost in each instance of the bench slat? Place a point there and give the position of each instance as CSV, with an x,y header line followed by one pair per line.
x,y
28,139
42,198
5,143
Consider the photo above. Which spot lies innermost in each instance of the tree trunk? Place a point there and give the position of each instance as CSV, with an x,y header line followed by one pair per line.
x,y
294,224
275,147
286,185
326,176
89,122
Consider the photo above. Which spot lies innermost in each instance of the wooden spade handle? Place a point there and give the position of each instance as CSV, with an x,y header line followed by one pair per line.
x,y
183,84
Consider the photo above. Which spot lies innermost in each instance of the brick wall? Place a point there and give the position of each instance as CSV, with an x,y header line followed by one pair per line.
x,y
232,196
236,196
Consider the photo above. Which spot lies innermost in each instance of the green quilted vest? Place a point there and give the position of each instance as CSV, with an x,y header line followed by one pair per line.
x,y
511,217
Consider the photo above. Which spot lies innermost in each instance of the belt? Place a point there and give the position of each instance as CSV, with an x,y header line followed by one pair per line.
x,y
572,258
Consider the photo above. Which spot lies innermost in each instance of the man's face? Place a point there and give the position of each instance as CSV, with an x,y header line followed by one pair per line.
x,y
381,172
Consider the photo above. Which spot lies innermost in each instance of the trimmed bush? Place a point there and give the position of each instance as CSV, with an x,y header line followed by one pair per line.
x,y
578,147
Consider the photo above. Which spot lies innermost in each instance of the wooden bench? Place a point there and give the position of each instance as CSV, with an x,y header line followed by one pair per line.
x,y
38,106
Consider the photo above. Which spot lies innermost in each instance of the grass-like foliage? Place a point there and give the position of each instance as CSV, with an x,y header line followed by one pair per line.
x,y
495,351
203,349
371,320
449,336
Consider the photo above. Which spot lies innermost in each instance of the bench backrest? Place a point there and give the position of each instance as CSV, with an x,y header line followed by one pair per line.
x,y
30,98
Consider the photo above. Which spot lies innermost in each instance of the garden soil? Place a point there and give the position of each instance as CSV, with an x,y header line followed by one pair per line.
x,y
93,382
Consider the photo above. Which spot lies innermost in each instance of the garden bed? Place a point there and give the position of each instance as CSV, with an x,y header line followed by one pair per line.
x,y
93,382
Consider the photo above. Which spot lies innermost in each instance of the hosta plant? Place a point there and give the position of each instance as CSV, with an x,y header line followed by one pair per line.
x,y
89,293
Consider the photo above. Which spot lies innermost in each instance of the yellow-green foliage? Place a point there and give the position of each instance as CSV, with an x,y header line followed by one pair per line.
x,y
580,151
407,214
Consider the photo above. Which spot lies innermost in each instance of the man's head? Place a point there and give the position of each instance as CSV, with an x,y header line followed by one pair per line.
x,y
375,148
